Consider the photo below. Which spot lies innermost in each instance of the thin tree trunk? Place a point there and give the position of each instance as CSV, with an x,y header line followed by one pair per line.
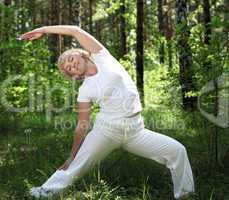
x,y
76,11
7,2
170,54
53,39
68,40
168,29
90,16
122,29
60,40
185,57
208,65
23,17
226,24
207,21
4,36
112,28
32,11
76,19
98,30
139,49
44,17
207,33
216,107
161,29
70,19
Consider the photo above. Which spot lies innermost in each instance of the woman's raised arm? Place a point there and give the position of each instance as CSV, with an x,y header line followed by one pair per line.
x,y
86,40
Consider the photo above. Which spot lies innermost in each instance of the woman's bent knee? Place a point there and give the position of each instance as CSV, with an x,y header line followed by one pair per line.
x,y
180,148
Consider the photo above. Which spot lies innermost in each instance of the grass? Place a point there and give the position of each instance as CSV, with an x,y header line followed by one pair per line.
x,y
29,156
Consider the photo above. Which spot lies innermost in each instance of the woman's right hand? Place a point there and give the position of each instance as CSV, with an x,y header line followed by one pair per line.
x,y
32,35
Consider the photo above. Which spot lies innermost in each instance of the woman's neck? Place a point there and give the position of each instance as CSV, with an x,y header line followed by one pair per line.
x,y
91,68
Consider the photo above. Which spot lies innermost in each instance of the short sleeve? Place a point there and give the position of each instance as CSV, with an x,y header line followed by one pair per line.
x,y
105,60
83,94
100,54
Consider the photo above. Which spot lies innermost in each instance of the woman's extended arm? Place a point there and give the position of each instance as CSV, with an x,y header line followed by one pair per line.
x,y
86,40
80,131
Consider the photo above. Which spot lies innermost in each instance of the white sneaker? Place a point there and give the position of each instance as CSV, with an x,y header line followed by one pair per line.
x,y
40,192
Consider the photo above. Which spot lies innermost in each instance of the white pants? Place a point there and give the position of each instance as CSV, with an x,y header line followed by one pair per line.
x,y
131,135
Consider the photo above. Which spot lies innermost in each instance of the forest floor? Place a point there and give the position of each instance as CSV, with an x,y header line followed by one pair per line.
x,y
29,156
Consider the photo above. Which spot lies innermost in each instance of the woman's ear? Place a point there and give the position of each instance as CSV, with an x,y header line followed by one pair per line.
x,y
84,56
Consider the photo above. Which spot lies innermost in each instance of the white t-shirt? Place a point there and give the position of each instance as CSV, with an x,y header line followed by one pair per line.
x,y
111,87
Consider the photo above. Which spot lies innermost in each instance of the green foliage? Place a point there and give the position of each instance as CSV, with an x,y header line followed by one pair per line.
x,y
28,158
32,138
128,63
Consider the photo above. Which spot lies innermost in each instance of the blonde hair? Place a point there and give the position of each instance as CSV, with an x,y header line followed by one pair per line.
x,y
70,52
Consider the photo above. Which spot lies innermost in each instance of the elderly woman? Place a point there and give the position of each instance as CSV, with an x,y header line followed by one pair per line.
x,y
119,124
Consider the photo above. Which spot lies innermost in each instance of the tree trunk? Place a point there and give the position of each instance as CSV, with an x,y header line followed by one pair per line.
x,y
216,107
98,30
7,2
170,54
207,21
70,19
54,38
4,36
185,57
168,29
207,31
23,17
122,29
76,12
208,67
161,29
90,16
76,19
139,49
32,12
68,40
226,23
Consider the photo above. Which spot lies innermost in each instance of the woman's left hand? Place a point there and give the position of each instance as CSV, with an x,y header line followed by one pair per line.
x,y
66,164
32,35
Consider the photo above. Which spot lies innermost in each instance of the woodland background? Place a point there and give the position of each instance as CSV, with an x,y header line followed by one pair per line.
x,y
177,52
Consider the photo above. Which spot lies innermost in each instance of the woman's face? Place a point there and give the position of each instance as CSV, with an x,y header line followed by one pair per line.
x,y
74,66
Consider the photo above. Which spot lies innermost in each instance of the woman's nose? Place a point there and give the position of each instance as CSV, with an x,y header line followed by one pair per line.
x,y
75,65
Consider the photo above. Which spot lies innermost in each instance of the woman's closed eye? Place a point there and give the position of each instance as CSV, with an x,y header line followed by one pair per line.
x,y
70,59
68,67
